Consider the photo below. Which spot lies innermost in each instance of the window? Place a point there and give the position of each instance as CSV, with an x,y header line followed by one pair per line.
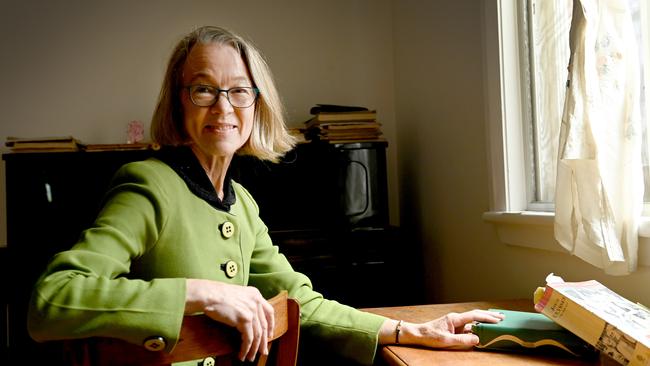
x,y
546,54
524,91
545,58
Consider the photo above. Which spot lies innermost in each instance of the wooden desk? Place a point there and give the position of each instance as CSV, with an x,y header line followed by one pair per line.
x,y
410,356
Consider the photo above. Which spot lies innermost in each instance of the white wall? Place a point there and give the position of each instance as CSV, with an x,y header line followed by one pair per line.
x,y
443,165
87,68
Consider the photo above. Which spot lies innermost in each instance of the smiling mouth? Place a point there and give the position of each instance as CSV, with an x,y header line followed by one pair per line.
x,y
221,128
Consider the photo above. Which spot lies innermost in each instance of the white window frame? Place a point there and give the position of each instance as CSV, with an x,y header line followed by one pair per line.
x,y
517,222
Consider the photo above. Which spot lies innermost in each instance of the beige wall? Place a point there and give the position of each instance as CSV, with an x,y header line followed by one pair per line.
x,y
88,68
443,165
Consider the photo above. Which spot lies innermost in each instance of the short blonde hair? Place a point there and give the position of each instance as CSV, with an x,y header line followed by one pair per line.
x,y
269,139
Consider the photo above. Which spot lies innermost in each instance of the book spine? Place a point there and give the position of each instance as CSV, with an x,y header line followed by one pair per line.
x,y
571,316
592,329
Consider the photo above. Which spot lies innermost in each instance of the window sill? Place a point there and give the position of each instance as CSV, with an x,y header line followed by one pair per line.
x,y
533,229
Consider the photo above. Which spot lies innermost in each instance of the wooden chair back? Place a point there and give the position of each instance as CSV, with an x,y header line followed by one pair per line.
x,y
201,338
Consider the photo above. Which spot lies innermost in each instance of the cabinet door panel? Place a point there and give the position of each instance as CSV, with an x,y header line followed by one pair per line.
x,y
51,198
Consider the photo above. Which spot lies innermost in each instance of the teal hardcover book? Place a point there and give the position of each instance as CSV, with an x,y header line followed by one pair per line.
x,y
527,331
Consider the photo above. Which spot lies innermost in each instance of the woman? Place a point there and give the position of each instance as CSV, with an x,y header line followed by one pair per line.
x,y
177,236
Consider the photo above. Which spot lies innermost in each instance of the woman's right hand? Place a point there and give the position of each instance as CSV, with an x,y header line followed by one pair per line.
x,y
241,307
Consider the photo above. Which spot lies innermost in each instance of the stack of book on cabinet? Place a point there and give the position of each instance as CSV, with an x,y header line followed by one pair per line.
x,y
43,144
342,124
298,134
122,147
69,143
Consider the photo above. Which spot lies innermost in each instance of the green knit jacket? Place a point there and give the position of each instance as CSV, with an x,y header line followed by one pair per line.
x,y
125,277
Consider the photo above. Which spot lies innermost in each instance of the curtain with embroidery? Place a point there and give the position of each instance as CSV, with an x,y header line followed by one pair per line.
x,y
599,183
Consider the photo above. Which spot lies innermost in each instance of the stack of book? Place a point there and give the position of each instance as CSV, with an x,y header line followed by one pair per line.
x,y
43,144
342,124
574,318
69,143
121,147
614,325
298,134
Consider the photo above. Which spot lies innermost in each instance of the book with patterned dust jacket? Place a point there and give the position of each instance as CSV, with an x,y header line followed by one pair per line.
x,y
611,323
523,331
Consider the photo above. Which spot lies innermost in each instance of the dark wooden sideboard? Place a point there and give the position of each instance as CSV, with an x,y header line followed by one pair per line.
x,y
329,225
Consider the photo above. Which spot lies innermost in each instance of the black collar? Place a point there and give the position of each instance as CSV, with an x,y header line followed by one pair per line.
x,y
187,166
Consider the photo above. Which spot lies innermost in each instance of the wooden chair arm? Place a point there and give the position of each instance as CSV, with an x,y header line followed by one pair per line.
x,y
200,337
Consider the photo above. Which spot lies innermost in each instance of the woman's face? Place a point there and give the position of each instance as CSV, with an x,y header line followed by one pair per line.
x,y
220,130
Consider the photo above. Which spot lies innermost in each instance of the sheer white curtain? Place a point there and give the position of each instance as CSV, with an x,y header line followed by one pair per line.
x,y
599,184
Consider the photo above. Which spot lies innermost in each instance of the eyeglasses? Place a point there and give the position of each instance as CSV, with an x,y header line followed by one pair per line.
x,y
207,96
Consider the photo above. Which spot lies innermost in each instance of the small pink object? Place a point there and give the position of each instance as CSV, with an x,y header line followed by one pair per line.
x,y
135,132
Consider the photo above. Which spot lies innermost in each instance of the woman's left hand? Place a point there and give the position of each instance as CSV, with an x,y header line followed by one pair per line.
x,y
450,331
